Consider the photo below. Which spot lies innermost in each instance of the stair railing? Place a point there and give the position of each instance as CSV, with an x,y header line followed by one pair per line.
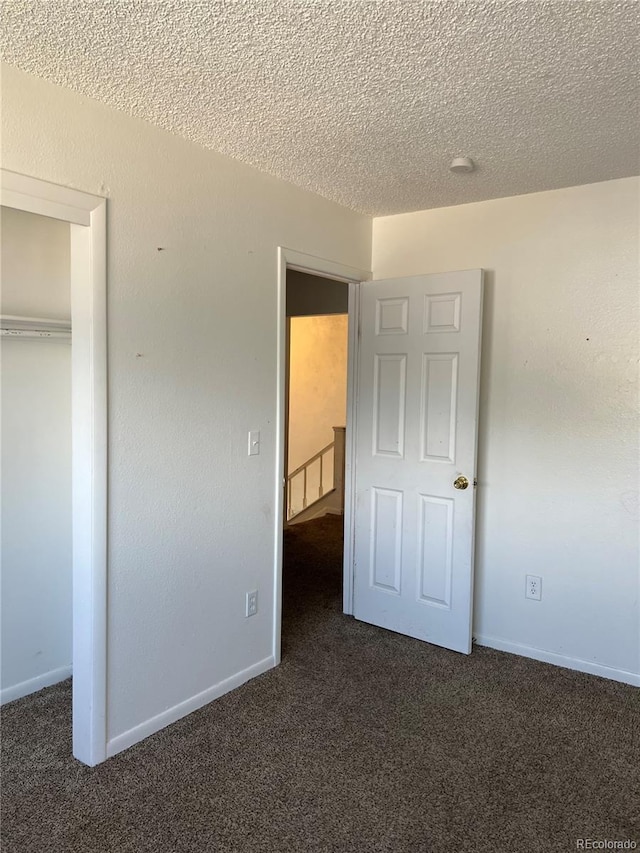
x,y
303,470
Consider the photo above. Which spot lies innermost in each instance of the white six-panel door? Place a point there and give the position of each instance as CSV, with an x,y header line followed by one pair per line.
x,y
416,428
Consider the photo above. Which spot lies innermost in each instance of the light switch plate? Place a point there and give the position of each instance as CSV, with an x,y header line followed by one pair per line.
x,y
254,442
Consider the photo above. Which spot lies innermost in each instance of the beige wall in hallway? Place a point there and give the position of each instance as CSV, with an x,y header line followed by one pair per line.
x,y
317,384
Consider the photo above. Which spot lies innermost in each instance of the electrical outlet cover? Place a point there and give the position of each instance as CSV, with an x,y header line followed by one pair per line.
x,y
533,588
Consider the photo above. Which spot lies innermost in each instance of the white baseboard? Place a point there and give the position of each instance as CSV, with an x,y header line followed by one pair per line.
x,y
160,721
32,685
578,664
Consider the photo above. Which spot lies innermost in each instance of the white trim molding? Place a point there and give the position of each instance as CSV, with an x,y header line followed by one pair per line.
x,y
172,715
32,685
578,664
87,217
353,354
46,199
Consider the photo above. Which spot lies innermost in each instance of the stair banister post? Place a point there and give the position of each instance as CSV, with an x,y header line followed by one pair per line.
x,y
304,488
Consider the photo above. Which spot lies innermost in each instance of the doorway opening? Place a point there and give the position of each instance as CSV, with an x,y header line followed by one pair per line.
x,y
316,396
35,309
315,429
312,483
85,218
414,357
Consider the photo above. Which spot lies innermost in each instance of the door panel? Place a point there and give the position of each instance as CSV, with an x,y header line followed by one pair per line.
x,y
439,406
389,405
416,433
385,541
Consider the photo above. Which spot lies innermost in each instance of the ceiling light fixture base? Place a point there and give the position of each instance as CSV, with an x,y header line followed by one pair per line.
x,y
462,165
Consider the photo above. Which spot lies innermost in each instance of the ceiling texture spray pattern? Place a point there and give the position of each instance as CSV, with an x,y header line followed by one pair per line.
x,y
360,101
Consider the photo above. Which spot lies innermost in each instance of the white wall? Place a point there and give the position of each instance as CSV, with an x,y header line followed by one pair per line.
x,y
35,265
558,456
192,368
36,460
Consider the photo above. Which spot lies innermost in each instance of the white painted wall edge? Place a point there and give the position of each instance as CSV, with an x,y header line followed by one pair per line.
x,y
89,484
32,685
565,661
172,715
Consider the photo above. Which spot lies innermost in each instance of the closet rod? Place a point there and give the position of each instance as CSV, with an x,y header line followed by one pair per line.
x,y
14,326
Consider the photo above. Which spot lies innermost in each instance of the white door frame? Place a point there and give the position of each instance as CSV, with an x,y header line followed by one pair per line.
x,y
87,217
293,260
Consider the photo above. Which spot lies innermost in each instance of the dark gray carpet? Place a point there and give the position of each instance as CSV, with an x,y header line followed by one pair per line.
x,y
362,740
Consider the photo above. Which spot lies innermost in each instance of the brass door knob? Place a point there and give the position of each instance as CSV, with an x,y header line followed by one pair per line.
x,y
460,483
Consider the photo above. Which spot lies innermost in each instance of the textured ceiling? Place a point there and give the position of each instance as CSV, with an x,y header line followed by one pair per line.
x,y
363,102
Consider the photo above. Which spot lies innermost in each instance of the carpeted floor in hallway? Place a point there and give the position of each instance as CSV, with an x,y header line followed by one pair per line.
x,y
362,741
